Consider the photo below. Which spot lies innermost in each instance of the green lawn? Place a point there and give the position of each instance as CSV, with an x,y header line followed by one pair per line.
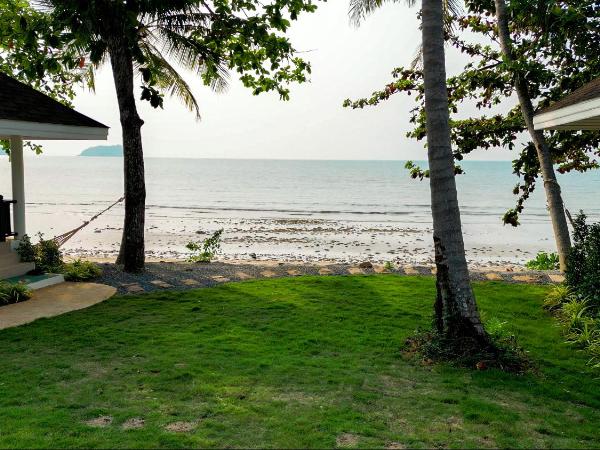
x,y
298,362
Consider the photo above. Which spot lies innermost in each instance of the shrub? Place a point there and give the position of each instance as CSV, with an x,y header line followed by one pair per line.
x,y
544,261
45,254
206,251
13,293
81,271
583,264
26,250
389,266
557,296
573,313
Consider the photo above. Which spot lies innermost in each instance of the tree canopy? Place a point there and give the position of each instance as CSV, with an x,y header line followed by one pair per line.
x,y
555,45
210,39
32,50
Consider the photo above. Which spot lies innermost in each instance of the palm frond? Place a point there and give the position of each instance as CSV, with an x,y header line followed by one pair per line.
x,y
360,9
190,54
168,79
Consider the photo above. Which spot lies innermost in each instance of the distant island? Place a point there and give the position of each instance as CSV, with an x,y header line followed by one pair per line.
x,y
103,150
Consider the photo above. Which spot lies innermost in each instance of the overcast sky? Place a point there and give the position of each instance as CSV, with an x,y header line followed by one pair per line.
x,y
346,62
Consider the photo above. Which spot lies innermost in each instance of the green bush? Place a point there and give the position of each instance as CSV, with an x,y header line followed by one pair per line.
x,y
544,261
204,252
557,296
583,264
389,266
26,250
81,271
45,254
13,293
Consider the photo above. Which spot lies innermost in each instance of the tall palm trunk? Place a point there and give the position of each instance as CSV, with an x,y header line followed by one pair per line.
x,y
456,310
131,254
553,194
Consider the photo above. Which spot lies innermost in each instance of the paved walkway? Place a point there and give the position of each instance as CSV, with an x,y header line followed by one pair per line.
x,y
53,301
181,275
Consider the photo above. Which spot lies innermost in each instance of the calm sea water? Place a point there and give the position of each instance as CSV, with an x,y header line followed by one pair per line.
x,y
63,191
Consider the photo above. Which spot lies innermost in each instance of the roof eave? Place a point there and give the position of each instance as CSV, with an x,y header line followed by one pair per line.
x,y
49,131
580,116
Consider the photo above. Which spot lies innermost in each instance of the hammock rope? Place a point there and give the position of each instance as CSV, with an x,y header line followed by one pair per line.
x,y
64,238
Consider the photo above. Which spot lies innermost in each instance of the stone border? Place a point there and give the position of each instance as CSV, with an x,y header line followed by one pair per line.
x,y
183,276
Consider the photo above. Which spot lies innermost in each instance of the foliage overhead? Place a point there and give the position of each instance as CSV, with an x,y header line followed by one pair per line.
x,y
209,39
33,51
556,47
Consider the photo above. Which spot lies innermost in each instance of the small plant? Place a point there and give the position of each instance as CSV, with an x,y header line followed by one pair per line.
x,y
206,251
49,258
544,261
389,266
586,336
26,250
498,330
557,296
502,352
13,293
45,254
573,313
81,270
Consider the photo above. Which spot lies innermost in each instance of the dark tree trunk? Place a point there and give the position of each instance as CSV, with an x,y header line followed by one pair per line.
x,y
456,310
553,193
132,253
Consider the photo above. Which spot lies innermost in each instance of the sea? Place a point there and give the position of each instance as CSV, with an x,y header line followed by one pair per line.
x,y
290,209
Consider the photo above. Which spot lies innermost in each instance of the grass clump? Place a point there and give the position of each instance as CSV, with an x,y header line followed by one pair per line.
x,y
80,270
501,352
13,293
544,261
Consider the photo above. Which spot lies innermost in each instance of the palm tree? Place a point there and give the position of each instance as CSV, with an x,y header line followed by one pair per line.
x,y
196,35
456,310
551,186
134,35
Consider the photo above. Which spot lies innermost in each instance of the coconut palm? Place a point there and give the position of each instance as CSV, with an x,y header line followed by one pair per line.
x,y
138,35
142,37
456,310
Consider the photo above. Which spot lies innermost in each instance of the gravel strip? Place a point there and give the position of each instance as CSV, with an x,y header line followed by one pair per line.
x,y
160,276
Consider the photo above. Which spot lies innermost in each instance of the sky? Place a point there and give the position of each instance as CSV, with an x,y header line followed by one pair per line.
x,y
347,62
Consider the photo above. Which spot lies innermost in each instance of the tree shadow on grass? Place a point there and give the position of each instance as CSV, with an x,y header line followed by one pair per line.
x,y
292,362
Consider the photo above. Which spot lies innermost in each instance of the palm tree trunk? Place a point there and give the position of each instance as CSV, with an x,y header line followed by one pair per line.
x,y
131,254
456,310
553,193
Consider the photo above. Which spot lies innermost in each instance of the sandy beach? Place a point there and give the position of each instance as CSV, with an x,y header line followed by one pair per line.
x,y
298,240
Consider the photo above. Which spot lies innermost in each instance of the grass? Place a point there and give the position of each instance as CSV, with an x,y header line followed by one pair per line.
x,y
302,362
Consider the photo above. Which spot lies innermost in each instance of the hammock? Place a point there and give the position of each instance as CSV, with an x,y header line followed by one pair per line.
x,y
63,238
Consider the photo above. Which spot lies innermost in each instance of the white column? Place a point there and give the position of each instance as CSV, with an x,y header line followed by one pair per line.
x,y
18,184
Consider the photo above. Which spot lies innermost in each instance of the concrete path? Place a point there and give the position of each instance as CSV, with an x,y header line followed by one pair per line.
x,y
53,301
